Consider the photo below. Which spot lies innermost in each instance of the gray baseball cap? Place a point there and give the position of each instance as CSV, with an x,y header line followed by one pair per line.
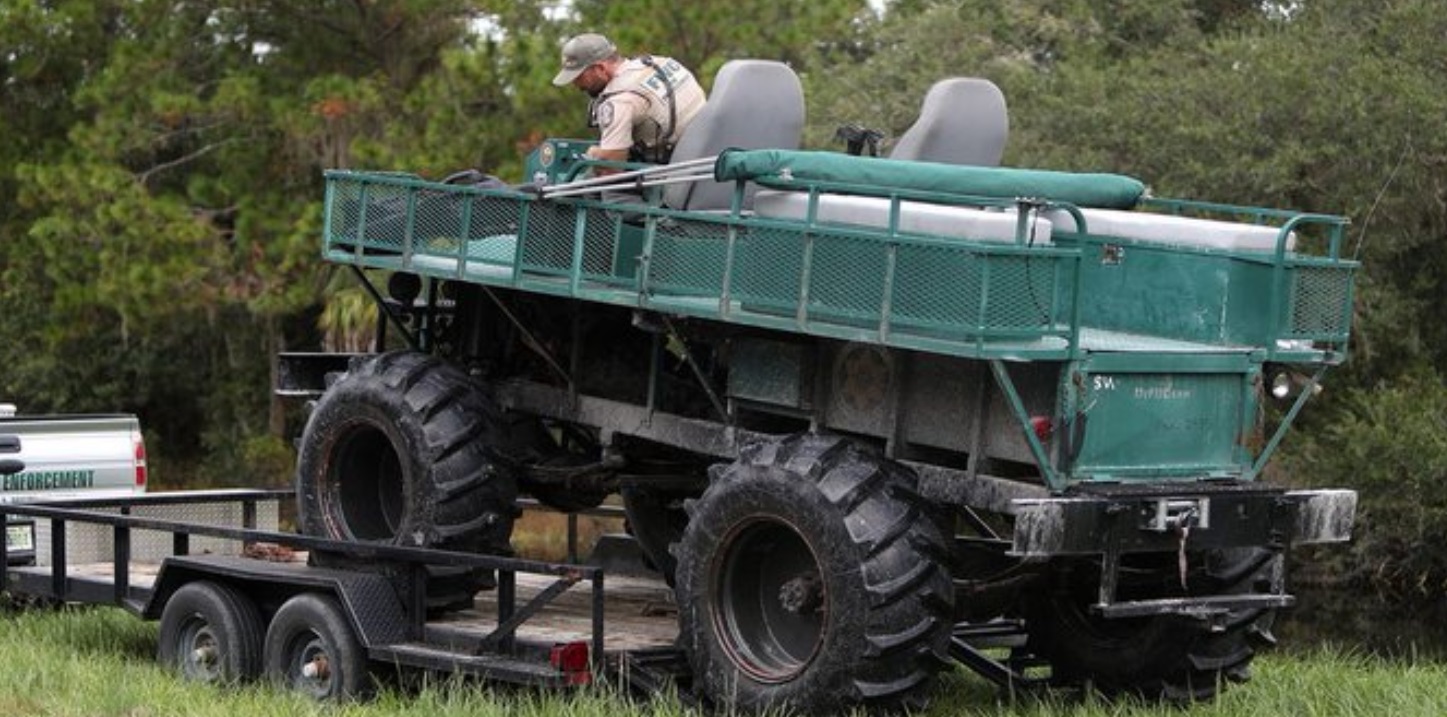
x,y
581,52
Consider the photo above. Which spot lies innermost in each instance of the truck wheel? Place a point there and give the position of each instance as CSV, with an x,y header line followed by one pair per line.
x,y
311,648
807,579
211,633
398,451
1169,658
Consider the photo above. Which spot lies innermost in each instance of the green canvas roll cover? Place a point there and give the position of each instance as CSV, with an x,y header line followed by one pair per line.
x,y
835,172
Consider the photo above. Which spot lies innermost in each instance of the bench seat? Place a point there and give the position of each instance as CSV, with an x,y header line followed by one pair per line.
x,y
1172,230
942,220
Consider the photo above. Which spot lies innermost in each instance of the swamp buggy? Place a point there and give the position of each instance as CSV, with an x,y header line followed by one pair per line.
x,y
867,417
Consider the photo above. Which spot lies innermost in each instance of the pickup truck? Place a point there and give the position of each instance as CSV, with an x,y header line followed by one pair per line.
x,y
65,456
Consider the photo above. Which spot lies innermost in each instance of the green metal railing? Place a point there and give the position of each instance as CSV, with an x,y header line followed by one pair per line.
x,y
961,297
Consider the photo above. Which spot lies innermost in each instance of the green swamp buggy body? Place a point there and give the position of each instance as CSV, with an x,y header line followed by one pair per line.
x,y
868,416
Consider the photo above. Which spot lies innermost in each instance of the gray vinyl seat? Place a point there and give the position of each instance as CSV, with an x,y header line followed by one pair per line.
x,y
963,121
755,104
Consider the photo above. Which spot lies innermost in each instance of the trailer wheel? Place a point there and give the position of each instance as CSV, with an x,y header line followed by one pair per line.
x,y
311,648
211,633
1168,658
808,580
399,451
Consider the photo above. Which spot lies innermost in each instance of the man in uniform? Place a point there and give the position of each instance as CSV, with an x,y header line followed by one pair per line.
x,y
641,105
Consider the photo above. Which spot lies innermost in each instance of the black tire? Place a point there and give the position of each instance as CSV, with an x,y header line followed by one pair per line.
x,y
399,451
1168,658
311,648
211,633
807,580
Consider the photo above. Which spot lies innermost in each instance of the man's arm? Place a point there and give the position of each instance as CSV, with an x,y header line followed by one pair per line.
x,y
612,155
615,121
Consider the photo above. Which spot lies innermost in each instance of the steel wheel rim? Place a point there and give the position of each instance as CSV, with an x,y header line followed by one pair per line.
x,y
200,650
770,605
309,649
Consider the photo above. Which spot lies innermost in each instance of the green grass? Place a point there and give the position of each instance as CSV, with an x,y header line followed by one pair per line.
x,y
99,662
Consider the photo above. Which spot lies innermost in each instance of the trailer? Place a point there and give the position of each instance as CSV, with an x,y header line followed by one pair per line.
x,y
238,603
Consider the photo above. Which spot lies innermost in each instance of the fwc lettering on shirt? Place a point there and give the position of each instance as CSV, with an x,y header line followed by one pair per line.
x,y
670,71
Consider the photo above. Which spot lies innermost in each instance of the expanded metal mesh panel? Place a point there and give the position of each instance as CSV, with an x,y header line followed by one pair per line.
x,y
1319,307
437,223
957,291
492,217
547,245
768,264
373,215
937,288
1021,292
846,279
600,233
386,218
688,258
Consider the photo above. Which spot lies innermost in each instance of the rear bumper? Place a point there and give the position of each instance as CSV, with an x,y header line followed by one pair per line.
x,y
1150,520
1113,521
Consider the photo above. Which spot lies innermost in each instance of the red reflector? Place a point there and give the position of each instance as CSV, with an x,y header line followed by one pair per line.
x,y
572,659
140,453
1042,426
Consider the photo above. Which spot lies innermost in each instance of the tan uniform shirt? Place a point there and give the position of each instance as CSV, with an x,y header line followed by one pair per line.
x,y
634,108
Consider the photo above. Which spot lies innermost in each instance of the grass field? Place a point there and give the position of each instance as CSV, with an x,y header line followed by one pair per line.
x,y
99,662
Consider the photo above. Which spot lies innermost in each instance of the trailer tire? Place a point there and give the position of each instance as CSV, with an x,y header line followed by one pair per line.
x,y
807,580
311,648
400,451
211,633
1166,658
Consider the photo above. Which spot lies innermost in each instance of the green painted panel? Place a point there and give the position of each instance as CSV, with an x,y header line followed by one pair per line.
x,y
1152,424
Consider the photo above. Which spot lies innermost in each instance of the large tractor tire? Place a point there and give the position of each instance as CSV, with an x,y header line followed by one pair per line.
x,y
808,580
399,452
1168,658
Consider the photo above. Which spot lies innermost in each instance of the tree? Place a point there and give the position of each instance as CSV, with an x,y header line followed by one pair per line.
x,y
705,35
171,237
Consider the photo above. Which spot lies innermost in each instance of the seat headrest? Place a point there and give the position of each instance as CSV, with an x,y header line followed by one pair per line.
x,y
963,121
755,104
